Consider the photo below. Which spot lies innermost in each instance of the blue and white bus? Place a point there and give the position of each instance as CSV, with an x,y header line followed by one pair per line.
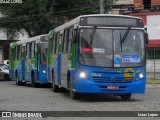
x,y
28,60
98,54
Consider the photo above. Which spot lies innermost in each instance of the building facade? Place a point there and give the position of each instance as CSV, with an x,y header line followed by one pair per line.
x,y
4,43
149,11
152,23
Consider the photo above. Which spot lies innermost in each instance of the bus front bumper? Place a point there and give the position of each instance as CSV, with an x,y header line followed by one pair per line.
x,y
88,86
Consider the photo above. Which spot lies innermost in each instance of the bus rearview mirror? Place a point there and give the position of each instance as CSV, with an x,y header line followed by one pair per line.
x,y
146,38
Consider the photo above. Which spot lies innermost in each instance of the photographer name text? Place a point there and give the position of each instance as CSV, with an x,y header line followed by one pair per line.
x,y
147,115
11,1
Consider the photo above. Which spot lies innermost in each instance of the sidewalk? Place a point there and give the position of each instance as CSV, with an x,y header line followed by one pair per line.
x,y
153,85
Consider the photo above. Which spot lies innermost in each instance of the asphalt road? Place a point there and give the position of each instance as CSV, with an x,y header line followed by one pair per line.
x,y
27,98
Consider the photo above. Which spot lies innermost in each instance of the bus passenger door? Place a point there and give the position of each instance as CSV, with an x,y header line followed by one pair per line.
x,y
27,63
56,59
37,62
66,56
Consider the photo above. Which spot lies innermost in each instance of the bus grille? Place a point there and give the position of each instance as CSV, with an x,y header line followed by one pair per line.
x,y
113,79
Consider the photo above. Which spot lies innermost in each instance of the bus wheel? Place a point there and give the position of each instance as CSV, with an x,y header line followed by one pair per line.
x,y
74,95
126,96
54,87
34,84
17,80
63,90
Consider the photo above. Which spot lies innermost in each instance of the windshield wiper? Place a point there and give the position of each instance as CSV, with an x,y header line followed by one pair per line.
x,y
124,37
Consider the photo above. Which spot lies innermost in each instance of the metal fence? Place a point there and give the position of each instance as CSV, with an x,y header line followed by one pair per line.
x,y
153,63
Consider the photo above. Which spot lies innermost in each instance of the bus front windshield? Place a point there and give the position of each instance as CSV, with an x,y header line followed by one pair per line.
x,y
111,47
43,53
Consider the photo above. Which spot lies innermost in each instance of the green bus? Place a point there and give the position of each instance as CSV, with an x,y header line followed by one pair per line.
x,y
27,60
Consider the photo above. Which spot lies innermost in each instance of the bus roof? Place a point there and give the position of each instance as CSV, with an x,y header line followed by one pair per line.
x,y
28,40
75,21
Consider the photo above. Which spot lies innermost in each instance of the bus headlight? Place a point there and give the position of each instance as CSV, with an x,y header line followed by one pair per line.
x,y
82,74
141,75
44,71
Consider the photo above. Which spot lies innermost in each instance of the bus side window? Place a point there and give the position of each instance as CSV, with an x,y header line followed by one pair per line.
x,y
27,50
23,51
61,41
20,51
57,44
54,44
70,38
15,51
32,49
65,39
62,38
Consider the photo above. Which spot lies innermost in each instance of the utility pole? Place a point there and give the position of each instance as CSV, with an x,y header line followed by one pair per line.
x,y
101,3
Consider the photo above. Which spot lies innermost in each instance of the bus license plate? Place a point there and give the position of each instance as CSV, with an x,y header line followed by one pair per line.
x,y
113,87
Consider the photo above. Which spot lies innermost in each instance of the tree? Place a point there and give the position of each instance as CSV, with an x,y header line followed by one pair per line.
x,y
40,16
35,16
69,9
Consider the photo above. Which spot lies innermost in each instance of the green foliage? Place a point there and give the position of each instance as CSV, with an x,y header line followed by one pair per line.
x,y
107,5
69,9
40,16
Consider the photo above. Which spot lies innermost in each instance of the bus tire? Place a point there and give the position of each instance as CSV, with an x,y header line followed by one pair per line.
x,y
126,96
34,84
74,95
63,90
17,80
54,87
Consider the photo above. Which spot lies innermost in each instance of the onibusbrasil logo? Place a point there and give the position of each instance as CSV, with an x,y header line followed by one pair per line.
x,y
21,114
